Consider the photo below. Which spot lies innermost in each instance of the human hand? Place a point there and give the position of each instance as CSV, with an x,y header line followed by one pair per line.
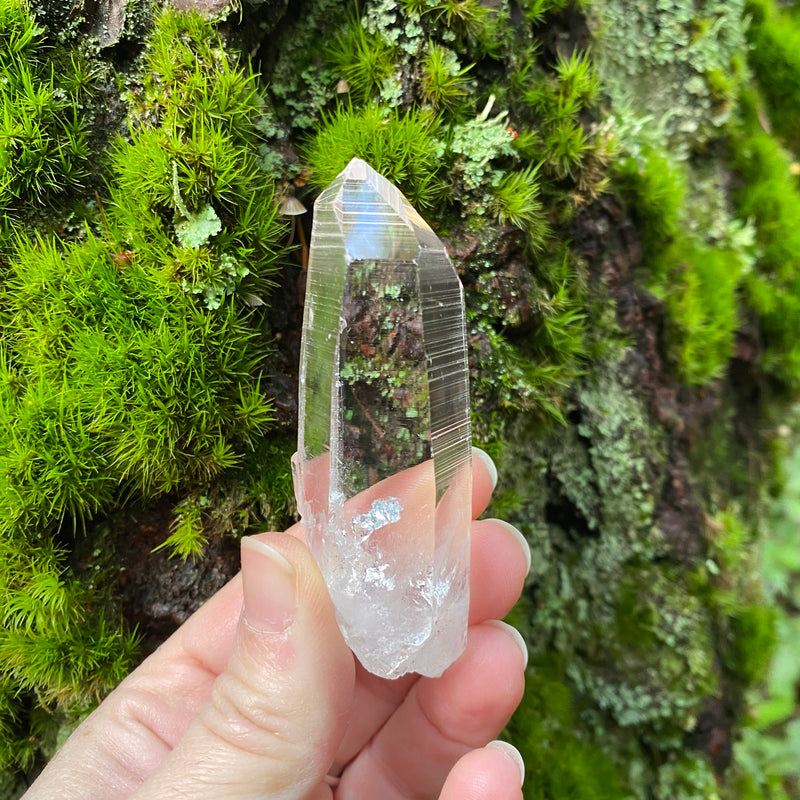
x,y
270,702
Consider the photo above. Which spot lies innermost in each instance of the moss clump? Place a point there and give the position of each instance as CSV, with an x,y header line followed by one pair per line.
x,y
700,285
697,254
366,63
753,642
545,732
108,339
116,377
63,643
445,82
657,185
531,374
188,196
774,56
770,197
556,102
401,146
43,138
131,366
258,495
704,271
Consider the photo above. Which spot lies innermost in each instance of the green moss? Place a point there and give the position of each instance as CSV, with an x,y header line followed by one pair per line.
x,y
657,185
43,136
697,254
551,106
62,645
754,639
131,365
770,197
258,495
533,374
700,285
401,146
365,62
444,81
558,763
774,35
536,11
558,100
127,301
469,22
518,199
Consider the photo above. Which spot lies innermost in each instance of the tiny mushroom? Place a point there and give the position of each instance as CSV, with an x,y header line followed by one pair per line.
x,y
290,206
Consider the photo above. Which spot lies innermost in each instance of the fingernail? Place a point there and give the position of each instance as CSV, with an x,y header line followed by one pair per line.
x,y
268,583
486,460
512,753
514,634
521,540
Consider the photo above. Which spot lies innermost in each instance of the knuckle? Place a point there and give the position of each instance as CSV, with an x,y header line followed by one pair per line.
x,y
249,720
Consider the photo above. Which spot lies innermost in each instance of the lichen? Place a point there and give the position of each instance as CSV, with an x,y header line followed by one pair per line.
x,y
637,642
680,78
686,778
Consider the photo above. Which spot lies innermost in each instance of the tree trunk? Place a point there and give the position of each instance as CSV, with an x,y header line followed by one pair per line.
x,y
616,183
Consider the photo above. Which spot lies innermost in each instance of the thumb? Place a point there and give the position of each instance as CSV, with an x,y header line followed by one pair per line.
x,y
277,713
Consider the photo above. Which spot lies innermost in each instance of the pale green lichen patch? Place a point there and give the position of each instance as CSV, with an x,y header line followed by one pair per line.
x,y
637,642
657,666
677,62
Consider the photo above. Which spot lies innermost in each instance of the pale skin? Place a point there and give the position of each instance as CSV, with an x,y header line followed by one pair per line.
x,y
269,702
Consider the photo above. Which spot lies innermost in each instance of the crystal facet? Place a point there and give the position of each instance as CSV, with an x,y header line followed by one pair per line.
x,y
382,474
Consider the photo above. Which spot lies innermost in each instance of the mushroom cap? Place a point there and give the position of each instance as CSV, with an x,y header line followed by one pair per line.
x,y
290,206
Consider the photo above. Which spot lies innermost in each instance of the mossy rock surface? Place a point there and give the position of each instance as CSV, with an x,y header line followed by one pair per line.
x,y
616,183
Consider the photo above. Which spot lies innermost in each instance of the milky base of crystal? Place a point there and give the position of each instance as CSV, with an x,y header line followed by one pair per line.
x,y
383,469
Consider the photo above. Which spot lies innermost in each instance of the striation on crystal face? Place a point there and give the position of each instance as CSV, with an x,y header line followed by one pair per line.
x,y
383,469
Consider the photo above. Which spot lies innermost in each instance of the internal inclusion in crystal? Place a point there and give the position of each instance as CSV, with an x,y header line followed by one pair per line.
x,y
383,468
383,373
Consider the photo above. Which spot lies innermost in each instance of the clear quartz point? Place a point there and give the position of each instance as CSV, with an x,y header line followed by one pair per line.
x,y
383,469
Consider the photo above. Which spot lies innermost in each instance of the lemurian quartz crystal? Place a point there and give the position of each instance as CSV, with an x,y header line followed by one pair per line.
x,y
383,469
